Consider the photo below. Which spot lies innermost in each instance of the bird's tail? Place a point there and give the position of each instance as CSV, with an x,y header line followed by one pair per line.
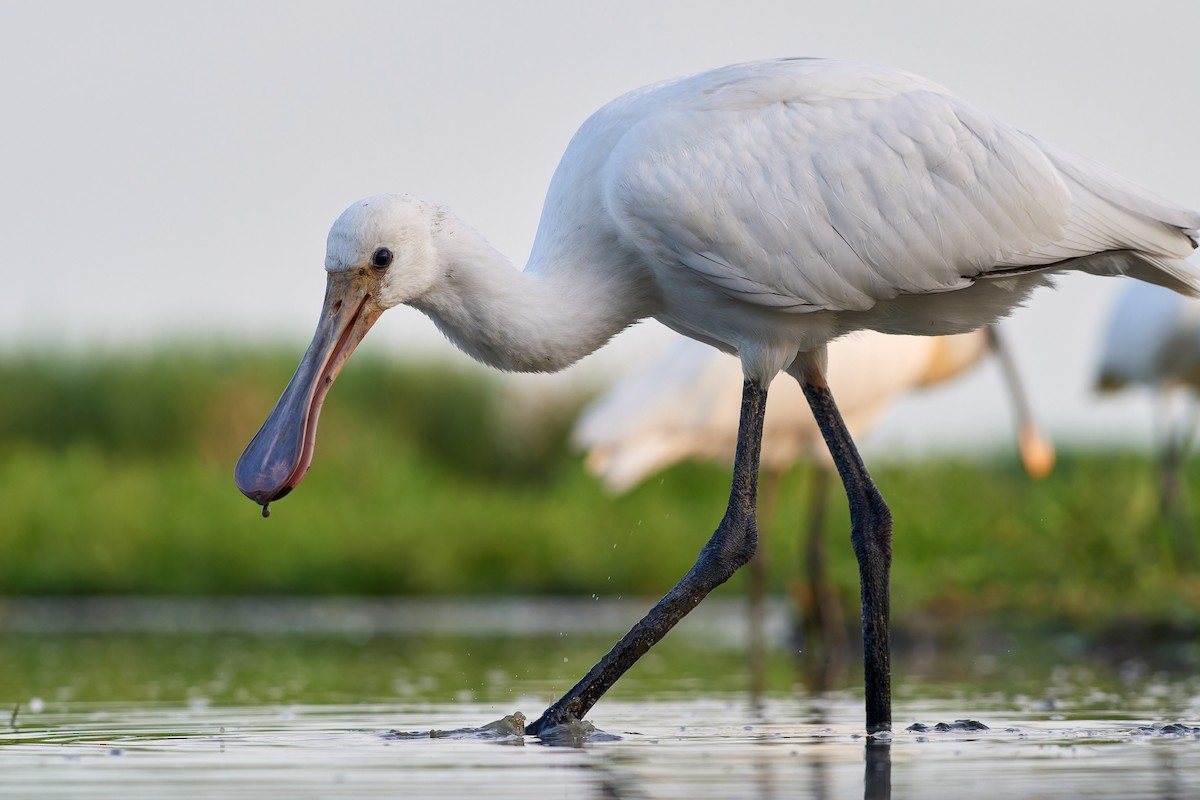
x,y
1141,235
1176,274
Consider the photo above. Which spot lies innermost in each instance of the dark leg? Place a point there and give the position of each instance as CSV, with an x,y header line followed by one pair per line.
x,y
871,535
729,548
756,594
821,612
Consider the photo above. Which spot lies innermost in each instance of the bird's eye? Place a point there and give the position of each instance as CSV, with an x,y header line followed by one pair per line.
x,y
382,258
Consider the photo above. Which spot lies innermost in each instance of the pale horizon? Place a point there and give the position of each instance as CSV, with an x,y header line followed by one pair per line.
x,y
171,170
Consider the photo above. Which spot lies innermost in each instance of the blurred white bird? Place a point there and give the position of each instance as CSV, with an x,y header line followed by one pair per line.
x,y
1153,340
683,405
766,209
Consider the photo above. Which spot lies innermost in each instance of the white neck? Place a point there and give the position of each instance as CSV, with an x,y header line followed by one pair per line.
x,y
540,320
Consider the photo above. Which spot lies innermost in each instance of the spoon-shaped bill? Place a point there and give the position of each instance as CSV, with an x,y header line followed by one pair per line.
x,y
281,452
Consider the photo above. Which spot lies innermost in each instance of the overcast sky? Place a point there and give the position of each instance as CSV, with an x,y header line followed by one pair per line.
x,y
170,170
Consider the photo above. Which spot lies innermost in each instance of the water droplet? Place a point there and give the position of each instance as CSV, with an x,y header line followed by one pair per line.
x,y
266,510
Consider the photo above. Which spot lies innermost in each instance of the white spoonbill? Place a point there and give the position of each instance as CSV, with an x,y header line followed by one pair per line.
x,y
683,404
1153,340
766,209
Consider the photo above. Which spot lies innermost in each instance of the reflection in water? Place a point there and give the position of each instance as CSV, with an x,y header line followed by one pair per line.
x,y
877,775
342,751
142,716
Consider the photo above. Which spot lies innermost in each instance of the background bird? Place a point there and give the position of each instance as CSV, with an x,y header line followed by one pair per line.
x,y
766,209
1153,340
683,405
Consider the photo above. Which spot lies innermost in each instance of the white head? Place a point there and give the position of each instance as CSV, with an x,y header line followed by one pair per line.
x,y
387,241
380,253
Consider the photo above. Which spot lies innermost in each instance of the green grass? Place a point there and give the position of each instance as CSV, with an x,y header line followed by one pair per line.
x,y
116,477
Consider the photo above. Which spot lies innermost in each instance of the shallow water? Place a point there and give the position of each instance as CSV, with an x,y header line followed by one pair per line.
x,y
226,712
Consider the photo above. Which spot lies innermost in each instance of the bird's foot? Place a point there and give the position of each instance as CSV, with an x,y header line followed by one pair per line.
x,y
566,730
552,717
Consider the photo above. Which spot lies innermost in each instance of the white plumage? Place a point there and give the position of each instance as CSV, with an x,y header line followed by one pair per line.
x,y
683,404
1153,339
839,188
766,209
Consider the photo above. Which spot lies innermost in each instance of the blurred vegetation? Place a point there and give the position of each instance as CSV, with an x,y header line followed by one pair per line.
x,y
116,477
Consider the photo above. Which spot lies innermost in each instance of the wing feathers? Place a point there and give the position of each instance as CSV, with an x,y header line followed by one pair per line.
x,y
805,199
